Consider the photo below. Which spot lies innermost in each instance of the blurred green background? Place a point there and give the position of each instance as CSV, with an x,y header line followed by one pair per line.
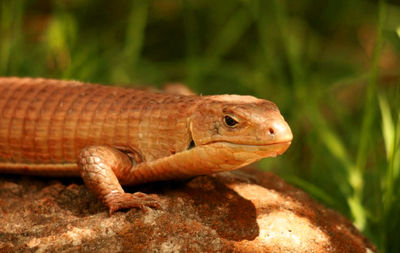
x,y
331,66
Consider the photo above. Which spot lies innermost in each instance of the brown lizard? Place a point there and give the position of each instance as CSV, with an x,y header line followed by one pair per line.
x,y
113,136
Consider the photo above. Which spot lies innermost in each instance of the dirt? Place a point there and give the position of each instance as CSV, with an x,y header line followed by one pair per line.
x,y
242,211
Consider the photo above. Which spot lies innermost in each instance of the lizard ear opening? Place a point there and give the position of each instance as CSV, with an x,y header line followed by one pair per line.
x,y
191,145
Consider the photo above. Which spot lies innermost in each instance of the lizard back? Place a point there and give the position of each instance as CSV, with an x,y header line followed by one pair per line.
x,y
50,121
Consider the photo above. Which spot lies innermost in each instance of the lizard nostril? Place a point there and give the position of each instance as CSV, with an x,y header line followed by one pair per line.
x,y
271,131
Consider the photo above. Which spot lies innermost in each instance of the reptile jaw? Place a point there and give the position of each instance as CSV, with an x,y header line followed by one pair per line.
x,y
255,151
287,142
265,150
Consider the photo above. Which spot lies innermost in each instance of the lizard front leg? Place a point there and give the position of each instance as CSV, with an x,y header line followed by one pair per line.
x,y
101,167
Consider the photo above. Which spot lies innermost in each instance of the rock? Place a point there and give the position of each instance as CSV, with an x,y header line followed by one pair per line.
x,y
242,211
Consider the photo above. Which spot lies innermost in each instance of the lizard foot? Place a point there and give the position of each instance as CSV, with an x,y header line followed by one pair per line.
x,y
118,201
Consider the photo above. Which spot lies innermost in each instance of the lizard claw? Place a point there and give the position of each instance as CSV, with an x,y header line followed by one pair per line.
x,y
132,200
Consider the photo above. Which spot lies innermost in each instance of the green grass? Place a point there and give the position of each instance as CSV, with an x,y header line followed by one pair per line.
x,y
331,66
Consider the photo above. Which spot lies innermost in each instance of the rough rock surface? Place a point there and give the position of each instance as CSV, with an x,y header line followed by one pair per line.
x,y
243,211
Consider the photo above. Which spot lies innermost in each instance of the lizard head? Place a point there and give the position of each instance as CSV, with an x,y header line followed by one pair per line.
x,y
242,123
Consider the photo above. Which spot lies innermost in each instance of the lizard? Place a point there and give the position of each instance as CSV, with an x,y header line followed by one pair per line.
x,y
112,136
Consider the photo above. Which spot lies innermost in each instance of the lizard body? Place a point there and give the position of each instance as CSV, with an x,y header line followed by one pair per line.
x,y
111,136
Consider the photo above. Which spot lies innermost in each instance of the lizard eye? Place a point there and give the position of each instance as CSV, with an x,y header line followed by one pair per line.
x,y
229,121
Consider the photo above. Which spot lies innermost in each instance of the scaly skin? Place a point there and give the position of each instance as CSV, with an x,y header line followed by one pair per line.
x,y
112,136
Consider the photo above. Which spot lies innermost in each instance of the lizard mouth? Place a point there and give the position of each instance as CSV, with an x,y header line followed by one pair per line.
x,y
287,142
259,144
262,149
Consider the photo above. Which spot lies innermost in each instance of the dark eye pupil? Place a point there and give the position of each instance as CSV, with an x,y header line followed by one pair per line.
x,y
230,121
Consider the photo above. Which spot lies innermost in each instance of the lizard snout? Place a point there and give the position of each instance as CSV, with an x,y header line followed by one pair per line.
x,y
279,131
